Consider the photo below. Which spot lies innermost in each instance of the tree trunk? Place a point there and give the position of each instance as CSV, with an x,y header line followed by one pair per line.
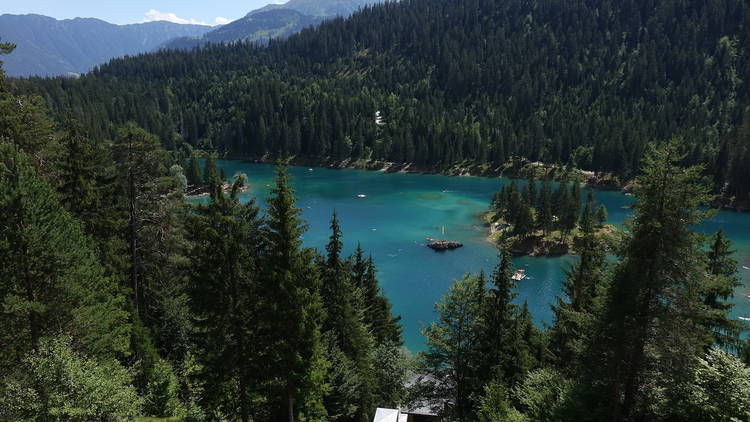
x,y
290,402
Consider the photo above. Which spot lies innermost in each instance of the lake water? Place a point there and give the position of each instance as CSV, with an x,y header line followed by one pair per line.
x,y
401,210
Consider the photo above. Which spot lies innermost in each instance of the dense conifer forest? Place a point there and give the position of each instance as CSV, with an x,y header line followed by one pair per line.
x,y
581,83
120,301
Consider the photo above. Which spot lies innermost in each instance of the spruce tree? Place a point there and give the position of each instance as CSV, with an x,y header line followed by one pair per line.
x,y
544,208
583,290
210,174
723,279
226,262
653,314
194,176
88,190
385,327
50,280
139,160
449,364
292,289
344,325
499,341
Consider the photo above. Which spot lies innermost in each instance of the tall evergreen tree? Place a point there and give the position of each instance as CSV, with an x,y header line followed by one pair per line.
x,y
225,289
385,327
654,309
51,282
501,350
344,325
139,160
723,279
583,289
194,176
449,363
293,290
544,208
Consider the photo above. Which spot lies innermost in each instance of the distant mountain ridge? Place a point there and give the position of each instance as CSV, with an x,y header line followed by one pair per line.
x,y
50,47
274,21
324,8
254,27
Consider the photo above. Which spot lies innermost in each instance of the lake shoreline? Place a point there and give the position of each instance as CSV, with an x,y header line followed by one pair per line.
x,y
516,168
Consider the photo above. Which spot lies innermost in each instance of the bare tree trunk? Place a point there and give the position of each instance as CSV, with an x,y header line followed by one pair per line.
x,y
291,407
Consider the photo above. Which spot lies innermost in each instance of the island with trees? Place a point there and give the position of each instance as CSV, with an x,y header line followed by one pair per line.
x,y
540,219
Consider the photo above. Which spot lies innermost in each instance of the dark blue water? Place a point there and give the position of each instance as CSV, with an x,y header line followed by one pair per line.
x,y
401,210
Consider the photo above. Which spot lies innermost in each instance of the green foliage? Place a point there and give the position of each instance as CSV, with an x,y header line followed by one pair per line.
x,y
716,389
51,280
495,405
543,394
293,290
390,371
723,279
225,285
162,393
654,311
194,176
56,383
451,356
584,291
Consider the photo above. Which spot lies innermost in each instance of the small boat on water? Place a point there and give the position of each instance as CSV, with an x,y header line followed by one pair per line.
x,y
744,318
746,267
361,195
519,275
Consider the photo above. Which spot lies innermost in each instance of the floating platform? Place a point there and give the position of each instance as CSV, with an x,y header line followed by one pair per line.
x,y
443,245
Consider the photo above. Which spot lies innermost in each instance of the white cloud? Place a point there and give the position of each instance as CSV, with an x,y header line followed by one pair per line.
x,y
154,15
221,20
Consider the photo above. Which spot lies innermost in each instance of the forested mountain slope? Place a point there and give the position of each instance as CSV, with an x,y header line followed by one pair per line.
x,y
580,82
51,47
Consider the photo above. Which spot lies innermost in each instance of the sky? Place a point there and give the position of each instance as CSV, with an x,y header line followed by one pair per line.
x,y
136,11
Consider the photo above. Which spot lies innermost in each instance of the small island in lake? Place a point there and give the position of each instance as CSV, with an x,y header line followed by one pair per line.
x,y
542,221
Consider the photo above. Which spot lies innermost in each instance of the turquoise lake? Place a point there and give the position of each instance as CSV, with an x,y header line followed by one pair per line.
x,y
401,210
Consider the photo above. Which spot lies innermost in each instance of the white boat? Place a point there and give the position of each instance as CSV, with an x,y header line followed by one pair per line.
x,y
361,195
519,275
746,267
744,318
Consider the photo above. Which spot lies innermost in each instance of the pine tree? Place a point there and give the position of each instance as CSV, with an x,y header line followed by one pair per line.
x,y
194,171
524,223
601,215
544,208
583,289
210,174
88,190
723,279
500,343
449,364
293,289
384,326
653,312
226,262
139,164
344,322
529,191
50,280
